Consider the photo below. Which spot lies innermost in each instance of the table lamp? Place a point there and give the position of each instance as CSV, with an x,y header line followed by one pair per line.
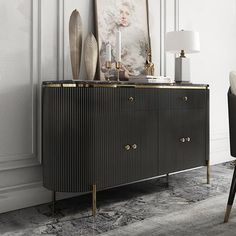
x,y
182,42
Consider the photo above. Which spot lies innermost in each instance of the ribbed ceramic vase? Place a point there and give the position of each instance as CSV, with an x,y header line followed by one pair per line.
x,y
90,56
75,38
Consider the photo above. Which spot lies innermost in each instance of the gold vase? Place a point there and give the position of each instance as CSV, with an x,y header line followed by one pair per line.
x,y
75,38
90,56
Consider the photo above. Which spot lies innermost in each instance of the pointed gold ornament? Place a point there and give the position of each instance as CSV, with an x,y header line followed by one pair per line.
x,y
75,38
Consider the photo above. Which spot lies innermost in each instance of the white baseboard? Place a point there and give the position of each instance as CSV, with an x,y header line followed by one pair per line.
x,y
219,148
23,196
33,194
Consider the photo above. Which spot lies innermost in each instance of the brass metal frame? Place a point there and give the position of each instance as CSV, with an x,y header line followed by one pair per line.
x,y
227,213
117,85
94,200
69,85
208,171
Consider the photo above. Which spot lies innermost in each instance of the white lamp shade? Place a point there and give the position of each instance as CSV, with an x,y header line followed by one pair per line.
x,y
182,40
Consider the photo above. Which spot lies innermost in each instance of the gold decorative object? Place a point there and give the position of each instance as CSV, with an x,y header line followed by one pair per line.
x,y
94,200
75,38
149,67
108,67
90,56
118,67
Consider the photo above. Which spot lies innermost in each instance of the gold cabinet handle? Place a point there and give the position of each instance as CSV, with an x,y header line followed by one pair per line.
x,y
127,147
182,140
188,139
131,99
134,146
185,98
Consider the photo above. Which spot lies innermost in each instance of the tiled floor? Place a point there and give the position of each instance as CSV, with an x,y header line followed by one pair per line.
x,y
120,206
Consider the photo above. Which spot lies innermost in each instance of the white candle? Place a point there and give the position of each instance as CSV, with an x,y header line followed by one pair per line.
x,y
108,52
118,46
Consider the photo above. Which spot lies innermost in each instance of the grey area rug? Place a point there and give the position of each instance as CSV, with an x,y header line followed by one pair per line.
x,y
187,206
200,219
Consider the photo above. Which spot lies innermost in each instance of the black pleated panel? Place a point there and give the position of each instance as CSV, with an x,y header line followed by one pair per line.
x,y
67,139
86,130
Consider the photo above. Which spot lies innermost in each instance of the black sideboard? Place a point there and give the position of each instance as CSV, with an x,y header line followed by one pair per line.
x,y
101,135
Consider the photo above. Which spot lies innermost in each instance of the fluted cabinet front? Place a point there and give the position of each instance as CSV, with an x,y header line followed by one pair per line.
x,y
67,139
107,136
86,135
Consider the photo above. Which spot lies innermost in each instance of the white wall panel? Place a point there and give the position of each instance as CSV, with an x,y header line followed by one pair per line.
x,y
16,121
216,22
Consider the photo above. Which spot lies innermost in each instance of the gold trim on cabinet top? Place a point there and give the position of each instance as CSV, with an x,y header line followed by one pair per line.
x,y
53,85
68,85
117,85
171,86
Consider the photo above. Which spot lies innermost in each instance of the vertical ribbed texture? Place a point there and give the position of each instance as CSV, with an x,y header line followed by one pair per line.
x,y
85,131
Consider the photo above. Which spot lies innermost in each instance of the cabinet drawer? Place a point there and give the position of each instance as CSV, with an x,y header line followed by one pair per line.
x,y
146,99
107,100
182,99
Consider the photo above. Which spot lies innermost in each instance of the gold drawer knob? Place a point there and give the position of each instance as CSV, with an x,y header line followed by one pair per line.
x,y
134,146
131,99
185,98
188,139
182,140
127,147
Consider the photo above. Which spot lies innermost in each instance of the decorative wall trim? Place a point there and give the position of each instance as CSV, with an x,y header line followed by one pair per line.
x,y
162,61
176,15
37,55
35,77
61,40
23,196
164,35
15,164
16,157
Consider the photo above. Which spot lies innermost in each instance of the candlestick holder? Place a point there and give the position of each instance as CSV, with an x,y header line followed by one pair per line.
x,y
108,67
118,67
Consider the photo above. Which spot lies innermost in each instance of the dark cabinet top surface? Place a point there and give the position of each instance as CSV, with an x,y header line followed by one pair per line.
x,y
121,84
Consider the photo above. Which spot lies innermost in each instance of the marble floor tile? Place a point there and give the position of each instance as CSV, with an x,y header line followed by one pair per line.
x,y
120,206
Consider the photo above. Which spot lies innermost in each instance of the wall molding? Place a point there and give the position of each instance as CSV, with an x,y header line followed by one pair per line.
x,y
22,196
19,159
61,40
176,15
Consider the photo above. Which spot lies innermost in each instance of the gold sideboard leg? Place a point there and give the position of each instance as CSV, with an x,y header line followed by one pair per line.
x,y
208,171
227,213
94,199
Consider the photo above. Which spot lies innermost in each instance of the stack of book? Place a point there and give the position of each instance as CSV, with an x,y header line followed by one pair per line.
x,y
151,79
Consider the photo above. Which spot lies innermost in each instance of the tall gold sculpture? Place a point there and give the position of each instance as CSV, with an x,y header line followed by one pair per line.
x,y
75,38
149,66
90,56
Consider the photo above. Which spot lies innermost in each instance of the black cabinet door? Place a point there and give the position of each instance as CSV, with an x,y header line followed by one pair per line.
x,y
142,159
113,122
182,139
126,138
